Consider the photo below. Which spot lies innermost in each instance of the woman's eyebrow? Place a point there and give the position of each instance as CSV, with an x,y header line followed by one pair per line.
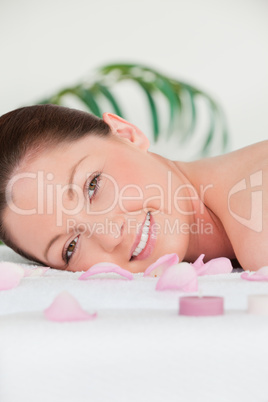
x,y
73,170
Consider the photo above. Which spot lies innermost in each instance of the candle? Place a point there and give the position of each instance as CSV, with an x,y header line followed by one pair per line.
x,y
201,306
258,304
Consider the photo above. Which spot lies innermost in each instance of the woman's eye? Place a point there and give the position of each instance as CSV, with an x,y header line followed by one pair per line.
x,y
70,249
93,186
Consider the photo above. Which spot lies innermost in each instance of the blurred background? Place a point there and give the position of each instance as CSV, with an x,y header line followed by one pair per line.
x,y
220,47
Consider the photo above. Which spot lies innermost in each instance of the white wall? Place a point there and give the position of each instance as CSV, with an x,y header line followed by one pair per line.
x,y
219,46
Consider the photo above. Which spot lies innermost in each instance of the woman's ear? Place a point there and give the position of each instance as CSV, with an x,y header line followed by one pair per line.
x,y
126,130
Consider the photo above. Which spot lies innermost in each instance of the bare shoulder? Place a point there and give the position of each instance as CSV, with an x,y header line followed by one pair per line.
x,y
235,187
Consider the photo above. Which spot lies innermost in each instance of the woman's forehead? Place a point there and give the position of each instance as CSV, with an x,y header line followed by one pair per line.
x,y
57,165
47,157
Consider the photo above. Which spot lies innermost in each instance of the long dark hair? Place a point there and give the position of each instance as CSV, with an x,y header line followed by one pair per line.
x,y
26,132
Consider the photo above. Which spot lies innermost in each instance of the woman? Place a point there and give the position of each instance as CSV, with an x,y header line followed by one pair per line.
x,y
77,190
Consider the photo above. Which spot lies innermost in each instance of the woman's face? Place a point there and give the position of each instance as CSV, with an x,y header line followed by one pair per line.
x,y
118,208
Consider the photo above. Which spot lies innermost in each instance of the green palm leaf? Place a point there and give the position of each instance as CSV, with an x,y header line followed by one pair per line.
x,y
153,108
181,98
165,87
210,131
158,82
88,98
99,88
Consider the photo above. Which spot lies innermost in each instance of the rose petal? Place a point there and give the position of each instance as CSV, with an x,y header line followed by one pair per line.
x,y
260,275
66,308
10,275
199,262
262,271
159,266
105,267
38,271
216,266
181,276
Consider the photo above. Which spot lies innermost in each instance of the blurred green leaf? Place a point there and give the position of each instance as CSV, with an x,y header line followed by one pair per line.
x,y
99,88
87,97
211,130
181,98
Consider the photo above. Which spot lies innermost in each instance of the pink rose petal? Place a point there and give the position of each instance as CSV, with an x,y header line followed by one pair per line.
x,y
66,308
106,267
215,266
260,275
38,271
181,276
199,262
159,266
10,275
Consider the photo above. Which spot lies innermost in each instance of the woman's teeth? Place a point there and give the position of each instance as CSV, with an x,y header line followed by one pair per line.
x,y
144,236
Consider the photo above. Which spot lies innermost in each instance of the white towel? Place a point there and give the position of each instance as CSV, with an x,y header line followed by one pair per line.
x,y
138,348
7,254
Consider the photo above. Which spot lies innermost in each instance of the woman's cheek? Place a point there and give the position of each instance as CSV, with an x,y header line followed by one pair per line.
x,y
131,199
154,199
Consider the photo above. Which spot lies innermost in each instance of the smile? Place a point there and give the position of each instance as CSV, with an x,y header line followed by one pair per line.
x,y
145,240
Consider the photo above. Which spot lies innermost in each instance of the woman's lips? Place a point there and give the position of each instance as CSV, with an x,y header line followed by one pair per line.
x,y
150,243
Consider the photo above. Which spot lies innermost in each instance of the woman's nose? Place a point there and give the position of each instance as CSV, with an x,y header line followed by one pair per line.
x,y
107,233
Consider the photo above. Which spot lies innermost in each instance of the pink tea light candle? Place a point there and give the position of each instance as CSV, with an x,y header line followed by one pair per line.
x,y
258,304
201,306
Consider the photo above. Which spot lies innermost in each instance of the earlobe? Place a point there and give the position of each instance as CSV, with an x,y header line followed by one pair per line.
x,y
123,129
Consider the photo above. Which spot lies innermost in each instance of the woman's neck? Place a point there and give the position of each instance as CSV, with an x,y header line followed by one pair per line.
x,y
208,235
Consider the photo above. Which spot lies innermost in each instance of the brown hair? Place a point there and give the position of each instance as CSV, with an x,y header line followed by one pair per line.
x,y
28,131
